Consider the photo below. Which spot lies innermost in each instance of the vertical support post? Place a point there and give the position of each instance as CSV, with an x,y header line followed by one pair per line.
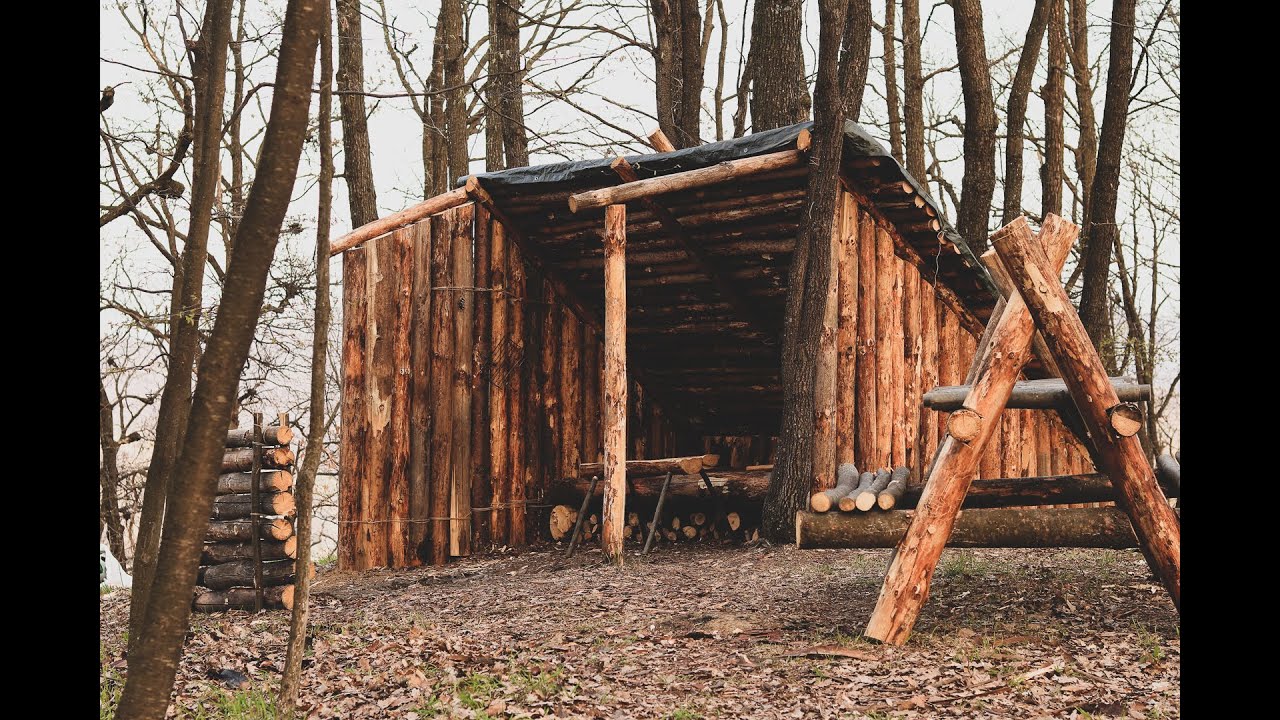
x,y
255,508
720,520
614,417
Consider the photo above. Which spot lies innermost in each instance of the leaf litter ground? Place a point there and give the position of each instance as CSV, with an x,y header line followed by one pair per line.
x,y
697,632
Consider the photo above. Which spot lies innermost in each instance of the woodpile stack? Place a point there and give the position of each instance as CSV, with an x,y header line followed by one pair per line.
x,y
251,542
882,489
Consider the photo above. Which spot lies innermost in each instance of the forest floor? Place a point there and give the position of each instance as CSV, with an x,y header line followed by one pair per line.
x,y
697,632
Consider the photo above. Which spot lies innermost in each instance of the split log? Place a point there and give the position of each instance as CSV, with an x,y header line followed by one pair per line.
x,y
849,502
719,173
239,505
1126,419
406,217
993,374
1169,471
1118,455
241,459
846,480
991,528
243,598
1048,393
657,467
221,552
229,530
867,498
240,574
562,519
893,492
271,435
242,482
734,520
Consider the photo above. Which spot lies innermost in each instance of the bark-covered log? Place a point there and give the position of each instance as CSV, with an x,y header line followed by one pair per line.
x,y
241,459
657,467
271,435
242,482
221,552
614,416
718,173
240,574
1047,393
243,598
846,480
228,530
993,527
239,505
866,499
1041,490
404,218
889,496
849,502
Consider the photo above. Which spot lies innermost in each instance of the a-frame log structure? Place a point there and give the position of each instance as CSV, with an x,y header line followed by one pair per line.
x,y
1035,297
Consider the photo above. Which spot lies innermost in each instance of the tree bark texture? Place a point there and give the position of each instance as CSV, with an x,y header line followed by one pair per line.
x,y
1017,114
775,64
987,528
979,181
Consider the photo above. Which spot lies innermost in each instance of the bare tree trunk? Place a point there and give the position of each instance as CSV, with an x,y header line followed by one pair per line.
x,y
1054,95
678,67
857,54
456,128
1017,114
979,182
888,37
357,167
109,478
153,663
515,140
810,274
913,89
1087,144
493,99
437,169
185,312
779,95
505,74
1095,306
290,677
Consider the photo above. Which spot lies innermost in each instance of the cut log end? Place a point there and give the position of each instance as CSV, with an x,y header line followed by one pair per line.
x,y
963,424
562,519
1126,419
865,500
820,502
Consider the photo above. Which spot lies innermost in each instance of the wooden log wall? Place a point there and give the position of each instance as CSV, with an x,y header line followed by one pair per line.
x,y
901,338
469,387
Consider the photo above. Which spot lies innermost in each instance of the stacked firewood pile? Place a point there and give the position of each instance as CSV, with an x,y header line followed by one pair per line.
x,y
252,525
678,526
856,492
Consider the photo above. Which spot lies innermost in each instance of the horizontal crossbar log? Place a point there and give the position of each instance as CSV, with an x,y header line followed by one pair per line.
x,y
660,466
1046,394
404,218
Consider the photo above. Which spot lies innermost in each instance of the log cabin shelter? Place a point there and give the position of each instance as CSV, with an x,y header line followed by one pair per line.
x,y
474,323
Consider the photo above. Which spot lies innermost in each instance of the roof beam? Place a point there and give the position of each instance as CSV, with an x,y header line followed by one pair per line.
x,y
745,308
404,218
689,179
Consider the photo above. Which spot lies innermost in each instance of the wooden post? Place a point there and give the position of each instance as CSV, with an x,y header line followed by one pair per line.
x,y
352,467
1122,458
614,415
912,331
520,400
255,511
441,431
847,401
379,387
400,270
420,402
906,585
657,511
866,419
929,374
463,300
823,474
501,368
481,383
886,334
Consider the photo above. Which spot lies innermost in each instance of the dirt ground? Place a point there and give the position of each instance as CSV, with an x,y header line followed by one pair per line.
x,y
698,632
